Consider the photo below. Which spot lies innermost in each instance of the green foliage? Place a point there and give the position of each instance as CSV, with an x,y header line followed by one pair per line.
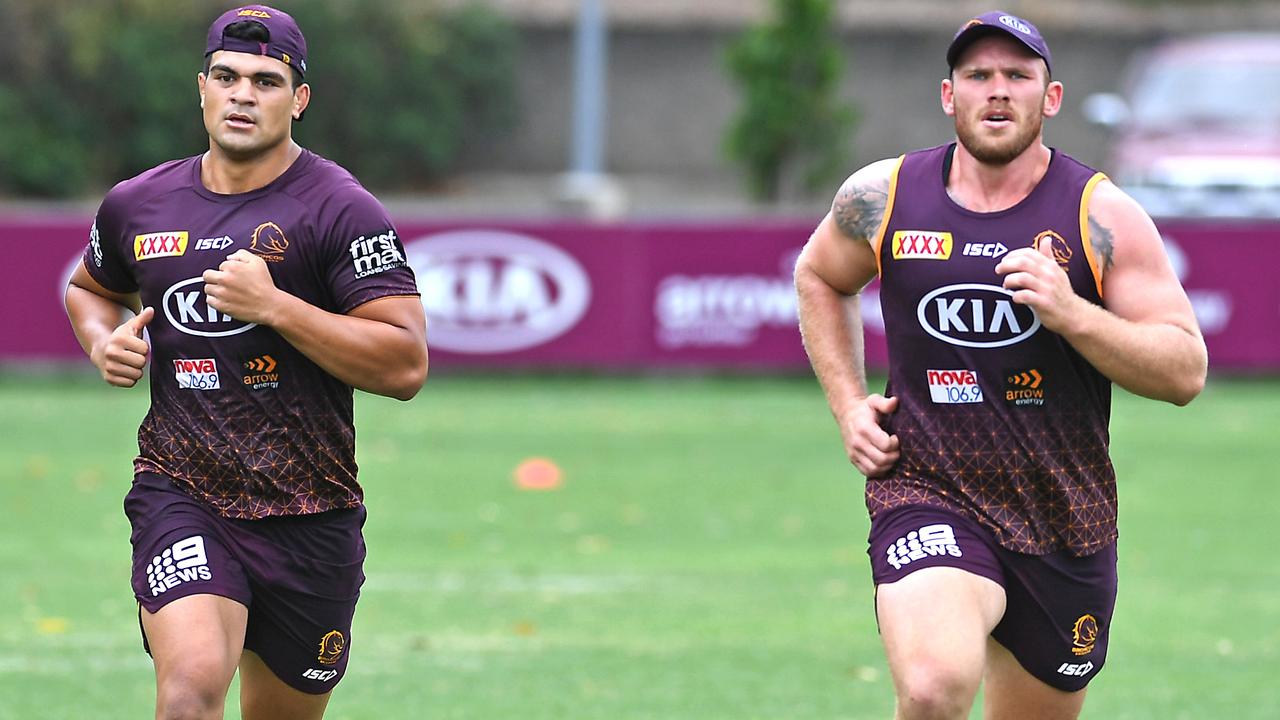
x,y
791,119
97,92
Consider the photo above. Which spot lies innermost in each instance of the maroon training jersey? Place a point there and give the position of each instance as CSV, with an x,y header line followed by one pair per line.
x,y
239,418
999,419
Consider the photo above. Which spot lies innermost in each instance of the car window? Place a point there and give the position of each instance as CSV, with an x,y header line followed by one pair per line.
x,y
1180,93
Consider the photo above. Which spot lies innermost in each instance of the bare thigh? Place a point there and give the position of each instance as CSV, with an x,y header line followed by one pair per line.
x,y
934,625
1011,693
195,642
263,696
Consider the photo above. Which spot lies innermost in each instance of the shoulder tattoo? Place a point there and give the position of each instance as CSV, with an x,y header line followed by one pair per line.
x,y
1103,242
859,207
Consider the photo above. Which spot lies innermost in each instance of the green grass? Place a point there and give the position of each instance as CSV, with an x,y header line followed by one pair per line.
x,y
705,557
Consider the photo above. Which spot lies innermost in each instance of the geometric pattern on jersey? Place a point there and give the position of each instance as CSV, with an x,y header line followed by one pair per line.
x,y
1025,513
250,468
1038,473
239,417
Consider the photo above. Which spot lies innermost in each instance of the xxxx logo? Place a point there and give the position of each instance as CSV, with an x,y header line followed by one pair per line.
x,y
921,245
161,244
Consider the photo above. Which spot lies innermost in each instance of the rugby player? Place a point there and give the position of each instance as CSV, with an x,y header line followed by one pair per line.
x,y
1017,285
267,285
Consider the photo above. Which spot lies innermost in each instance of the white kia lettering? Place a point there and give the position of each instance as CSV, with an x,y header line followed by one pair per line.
x,y
489,291
189,312
976,315
1015,23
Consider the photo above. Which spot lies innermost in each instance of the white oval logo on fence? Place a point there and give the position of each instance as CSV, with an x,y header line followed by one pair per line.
x,y
491,291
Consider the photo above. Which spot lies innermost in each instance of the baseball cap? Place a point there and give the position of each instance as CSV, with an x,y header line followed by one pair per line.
x,y
993,22
284,39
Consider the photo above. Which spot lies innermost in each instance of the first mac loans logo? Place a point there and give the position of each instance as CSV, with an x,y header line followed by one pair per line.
x,y
376,254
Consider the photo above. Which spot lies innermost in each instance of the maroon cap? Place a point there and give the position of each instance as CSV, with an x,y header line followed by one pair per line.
x,y
284,41
993,22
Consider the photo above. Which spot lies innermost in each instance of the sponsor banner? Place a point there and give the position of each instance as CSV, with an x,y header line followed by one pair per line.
x,y
636,295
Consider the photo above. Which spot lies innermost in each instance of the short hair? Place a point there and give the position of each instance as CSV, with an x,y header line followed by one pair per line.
x,y
253,31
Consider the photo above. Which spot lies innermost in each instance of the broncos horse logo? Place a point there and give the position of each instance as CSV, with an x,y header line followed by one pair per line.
x,y
1084,634
269,242
331,647
1062,251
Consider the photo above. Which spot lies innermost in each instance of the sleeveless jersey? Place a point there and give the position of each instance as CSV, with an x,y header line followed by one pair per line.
x,y
239,418
999,419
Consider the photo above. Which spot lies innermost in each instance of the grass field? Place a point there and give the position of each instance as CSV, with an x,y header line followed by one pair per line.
x,y
705,557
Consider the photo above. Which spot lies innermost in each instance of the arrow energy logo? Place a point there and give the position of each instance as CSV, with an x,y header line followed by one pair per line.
x,y
261,373
1023,388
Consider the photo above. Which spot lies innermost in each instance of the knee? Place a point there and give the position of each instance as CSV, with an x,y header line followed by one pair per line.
x,y
187,698
936,692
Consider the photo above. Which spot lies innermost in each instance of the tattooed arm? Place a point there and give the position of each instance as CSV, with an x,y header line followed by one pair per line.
x,y
1145,337
835,264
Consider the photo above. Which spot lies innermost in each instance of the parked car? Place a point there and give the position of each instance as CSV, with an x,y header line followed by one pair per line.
x,y
1197,129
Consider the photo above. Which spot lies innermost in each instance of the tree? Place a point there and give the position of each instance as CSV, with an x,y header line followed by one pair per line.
x,y
791,119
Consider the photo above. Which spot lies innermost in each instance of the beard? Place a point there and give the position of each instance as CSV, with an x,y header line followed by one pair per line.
x,y
997,150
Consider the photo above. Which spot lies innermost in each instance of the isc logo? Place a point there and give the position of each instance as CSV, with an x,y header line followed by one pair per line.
x,y
321,675
217,243
976,315
992,250
1075,669
187,309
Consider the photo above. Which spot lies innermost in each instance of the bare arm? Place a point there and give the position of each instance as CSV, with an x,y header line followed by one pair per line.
x,y
1146,338
835,264
379,347
116,349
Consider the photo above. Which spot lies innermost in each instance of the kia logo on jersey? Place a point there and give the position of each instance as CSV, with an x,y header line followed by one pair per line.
x,y
187,309
976,315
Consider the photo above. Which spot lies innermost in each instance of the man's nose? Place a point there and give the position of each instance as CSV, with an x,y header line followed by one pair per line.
x,y
242,92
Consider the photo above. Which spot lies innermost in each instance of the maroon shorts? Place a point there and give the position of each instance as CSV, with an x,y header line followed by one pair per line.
x,y
1058,611
299,576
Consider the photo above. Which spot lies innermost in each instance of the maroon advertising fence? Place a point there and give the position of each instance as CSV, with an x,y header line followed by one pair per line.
x,y
643,295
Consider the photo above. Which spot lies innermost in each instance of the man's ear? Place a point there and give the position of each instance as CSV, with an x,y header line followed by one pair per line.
x,y
301,99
